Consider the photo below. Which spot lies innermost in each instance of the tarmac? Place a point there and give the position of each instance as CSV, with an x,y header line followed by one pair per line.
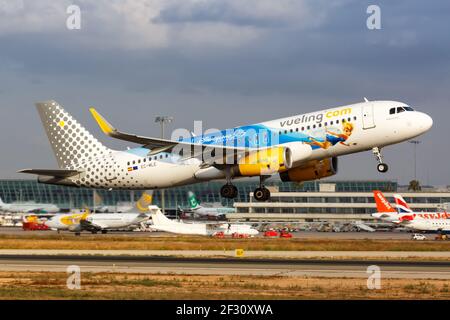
x,y
382,235
229,266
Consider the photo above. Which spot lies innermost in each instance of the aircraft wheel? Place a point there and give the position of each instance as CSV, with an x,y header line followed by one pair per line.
x,y
261,194
104,231
382,167
229,191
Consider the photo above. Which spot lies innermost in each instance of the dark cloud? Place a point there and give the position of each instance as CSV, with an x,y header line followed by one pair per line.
x,y
287,68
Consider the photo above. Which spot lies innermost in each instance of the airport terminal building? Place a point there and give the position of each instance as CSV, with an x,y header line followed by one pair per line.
x,y
310,201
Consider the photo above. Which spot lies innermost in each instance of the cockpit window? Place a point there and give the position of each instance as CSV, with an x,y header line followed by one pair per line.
x,y
392,111
408,108
400,109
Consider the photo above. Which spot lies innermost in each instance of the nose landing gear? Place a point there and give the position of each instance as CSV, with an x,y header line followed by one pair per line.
x,y
381,167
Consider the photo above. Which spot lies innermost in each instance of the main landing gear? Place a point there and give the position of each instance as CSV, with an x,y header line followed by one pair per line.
x,y
261,193
381,167
229,191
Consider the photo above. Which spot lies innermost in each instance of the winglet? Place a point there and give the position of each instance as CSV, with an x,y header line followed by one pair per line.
x,y
106,127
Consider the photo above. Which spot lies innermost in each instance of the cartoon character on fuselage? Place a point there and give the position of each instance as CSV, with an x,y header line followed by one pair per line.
x,y
332,138
283,146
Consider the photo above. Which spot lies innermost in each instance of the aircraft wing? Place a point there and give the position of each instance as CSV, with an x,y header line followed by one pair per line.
x,y
157,144
58,173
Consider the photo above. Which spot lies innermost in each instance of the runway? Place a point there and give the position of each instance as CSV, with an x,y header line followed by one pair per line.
x,y
382,235
226,266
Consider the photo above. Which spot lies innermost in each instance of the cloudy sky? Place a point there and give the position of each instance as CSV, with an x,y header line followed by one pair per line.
x,y
226,62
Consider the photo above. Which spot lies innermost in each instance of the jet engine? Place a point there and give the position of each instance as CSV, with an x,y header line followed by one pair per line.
x,y
312,170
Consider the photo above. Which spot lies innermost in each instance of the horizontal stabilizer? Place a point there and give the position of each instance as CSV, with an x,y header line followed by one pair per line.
x,y
58,173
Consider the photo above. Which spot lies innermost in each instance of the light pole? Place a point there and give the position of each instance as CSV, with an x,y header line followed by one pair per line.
x,y
163,120
415,143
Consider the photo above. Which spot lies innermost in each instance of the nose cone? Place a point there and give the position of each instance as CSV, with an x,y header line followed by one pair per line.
x,y
425,122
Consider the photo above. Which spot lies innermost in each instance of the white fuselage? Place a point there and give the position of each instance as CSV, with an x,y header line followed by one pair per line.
x,y
162,223
397,217
29,207
429,225
104,221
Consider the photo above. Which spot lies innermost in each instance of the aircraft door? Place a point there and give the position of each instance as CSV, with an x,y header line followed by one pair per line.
x,y
367,116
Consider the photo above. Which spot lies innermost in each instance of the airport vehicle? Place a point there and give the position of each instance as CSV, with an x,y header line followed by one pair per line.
x,y
298,148
201,211
285,234
418,236
270,233
386,212
162,223
98,222
33,223
28,207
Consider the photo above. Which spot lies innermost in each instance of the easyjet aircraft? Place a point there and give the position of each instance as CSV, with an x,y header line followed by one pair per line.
x,y
298,148
402,212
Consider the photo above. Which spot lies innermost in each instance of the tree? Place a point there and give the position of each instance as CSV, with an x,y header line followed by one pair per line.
x,y
414,185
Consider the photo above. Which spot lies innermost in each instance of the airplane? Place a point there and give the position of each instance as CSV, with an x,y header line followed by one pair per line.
x,y
162,223
298,148
386,212
197,209
97,222
413,222
28,207
103,222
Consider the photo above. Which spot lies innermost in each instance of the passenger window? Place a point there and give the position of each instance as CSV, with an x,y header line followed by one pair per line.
x,y
303,128
392,111
296,129
128,163
308,127
134,162
314,126
326,123
354,118
337,121
331,123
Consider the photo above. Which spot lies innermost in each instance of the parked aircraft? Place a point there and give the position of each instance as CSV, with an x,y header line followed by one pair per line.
x,y
298,148
162,223
98,222
416,223
203,211
386,212
28,207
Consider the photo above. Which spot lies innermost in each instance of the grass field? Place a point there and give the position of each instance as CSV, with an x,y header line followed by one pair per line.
x,y
39,285
203,243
